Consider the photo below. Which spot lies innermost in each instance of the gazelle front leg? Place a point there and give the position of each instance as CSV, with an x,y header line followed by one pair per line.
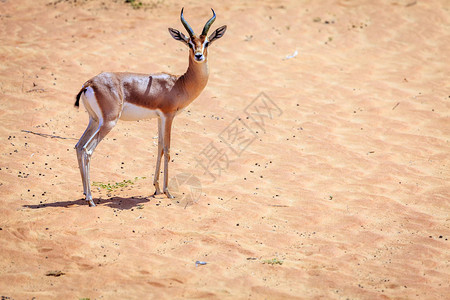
x,y
167,127
164,130
158,159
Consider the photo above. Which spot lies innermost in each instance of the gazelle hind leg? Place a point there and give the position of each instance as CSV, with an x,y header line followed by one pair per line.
x,y
86,160
84,157
86,152
96,131
88,133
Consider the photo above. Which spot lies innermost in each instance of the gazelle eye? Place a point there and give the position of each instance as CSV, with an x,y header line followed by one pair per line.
x,y
206,44
190,45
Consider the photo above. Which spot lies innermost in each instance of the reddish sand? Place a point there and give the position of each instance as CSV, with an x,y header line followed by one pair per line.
x,y
339,191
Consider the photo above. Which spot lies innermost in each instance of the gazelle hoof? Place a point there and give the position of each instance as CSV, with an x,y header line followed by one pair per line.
x,y
168,194
91,203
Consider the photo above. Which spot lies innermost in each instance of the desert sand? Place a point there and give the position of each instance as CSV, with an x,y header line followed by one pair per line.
x,y
315,164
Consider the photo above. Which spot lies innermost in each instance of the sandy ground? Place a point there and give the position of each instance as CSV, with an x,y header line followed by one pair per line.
x,y
335,187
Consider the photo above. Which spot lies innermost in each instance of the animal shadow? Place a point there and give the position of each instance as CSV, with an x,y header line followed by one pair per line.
x,y
113,202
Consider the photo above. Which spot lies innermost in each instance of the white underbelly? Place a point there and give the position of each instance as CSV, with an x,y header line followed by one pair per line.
x,y
132,112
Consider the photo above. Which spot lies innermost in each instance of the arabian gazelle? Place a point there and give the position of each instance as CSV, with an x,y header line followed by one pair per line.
x,y
109,97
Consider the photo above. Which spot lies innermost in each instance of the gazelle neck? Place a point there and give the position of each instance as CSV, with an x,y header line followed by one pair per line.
x,y
195,78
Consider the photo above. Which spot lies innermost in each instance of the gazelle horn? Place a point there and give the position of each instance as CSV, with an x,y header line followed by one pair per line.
x,y
186,25
209,23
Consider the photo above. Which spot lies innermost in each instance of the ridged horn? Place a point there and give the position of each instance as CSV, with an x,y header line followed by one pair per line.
x,y
186,25
209,23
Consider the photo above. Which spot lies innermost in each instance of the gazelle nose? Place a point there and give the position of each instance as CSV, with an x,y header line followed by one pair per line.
x,y
198,55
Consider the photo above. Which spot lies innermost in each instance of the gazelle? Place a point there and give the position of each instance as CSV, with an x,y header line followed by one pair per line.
x,y
109,97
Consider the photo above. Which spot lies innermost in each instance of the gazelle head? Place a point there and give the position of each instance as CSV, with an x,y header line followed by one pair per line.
x,y
198,45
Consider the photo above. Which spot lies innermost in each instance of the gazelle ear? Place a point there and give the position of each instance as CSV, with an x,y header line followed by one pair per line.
x,y
218,33
179,36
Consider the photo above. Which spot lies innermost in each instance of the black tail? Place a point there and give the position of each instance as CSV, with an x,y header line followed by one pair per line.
x,y
77,102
